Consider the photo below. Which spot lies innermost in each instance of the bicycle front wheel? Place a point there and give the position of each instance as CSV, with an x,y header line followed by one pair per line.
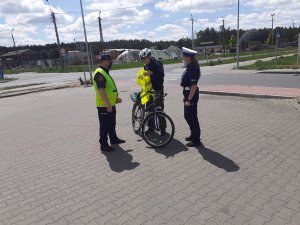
x,y
158,129
137,117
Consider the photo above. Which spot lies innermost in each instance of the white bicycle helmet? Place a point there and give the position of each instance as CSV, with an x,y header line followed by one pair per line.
x,y
144,53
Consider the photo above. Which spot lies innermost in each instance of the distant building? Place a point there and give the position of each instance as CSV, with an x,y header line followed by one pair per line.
x,y
19,58
209,49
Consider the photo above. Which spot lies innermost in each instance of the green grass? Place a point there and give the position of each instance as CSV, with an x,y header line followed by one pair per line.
x,y
247,58
288,62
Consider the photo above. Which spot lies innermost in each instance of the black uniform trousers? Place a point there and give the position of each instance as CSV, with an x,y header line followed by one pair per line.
x,y
191,116
159,104
107,121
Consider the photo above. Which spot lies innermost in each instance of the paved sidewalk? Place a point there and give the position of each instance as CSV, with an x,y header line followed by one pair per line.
x,y
52,172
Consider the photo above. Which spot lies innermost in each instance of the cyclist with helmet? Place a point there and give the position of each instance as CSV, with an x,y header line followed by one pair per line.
x,y
154,68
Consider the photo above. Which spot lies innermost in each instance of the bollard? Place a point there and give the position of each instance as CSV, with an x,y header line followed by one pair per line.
x,y
1,73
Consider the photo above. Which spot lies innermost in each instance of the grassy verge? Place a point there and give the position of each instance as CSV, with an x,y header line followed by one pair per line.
x,y
243,59
288,62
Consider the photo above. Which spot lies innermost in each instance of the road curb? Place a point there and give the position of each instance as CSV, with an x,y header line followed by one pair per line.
x,y
34,90
279,72
246,95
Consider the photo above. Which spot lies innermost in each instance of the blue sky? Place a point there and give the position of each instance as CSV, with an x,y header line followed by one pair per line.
x,y
126,19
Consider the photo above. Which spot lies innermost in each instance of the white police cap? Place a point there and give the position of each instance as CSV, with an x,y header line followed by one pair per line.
x,y
188,52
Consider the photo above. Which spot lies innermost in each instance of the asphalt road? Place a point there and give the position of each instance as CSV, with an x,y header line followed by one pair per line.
x,y
216,75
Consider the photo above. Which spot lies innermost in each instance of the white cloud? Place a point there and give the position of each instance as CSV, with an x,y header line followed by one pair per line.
x,y
170,32
129,20
272,4
194,6
166,15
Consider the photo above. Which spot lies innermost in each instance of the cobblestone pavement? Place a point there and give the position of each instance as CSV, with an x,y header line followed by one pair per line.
x,y
52,172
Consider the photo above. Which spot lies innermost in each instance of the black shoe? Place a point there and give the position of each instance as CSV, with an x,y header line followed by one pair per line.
x,y
189,138
193,144
107,149
117,141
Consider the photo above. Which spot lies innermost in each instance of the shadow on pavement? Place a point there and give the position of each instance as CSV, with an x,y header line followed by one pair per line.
x,y
173,148
218,160
120,160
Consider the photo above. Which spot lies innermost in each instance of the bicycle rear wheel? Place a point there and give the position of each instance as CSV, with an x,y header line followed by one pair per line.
x,y
158,129
137,117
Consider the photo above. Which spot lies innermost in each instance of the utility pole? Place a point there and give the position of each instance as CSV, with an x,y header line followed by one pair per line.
x,y
223,29
57,37
55,27
192,20
101,33
100,28
17,55
273,14
86,43
238,38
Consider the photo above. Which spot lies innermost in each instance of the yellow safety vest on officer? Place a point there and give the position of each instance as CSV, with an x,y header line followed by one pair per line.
x,y
106,99
110,89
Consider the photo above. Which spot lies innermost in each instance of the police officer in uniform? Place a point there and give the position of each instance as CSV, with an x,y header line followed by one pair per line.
x,y
106,99
189,82
155,70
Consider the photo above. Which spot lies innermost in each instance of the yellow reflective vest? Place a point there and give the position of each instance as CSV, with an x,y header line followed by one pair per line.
x,y
110,89
145,83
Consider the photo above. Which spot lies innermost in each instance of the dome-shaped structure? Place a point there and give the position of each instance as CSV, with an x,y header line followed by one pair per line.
x,y
252,40
129,55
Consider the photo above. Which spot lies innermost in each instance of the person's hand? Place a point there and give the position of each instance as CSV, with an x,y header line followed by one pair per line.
x,y
119,100
187,104
109,108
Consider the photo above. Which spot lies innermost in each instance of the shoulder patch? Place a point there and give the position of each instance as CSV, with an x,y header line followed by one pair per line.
x,y
101,78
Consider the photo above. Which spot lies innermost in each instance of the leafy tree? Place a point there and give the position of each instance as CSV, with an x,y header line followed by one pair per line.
x,y
232,41
269,41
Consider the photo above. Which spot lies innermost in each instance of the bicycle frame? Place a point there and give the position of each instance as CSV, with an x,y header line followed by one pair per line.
x,y
151,108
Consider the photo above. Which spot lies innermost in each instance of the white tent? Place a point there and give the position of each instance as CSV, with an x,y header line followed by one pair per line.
x,y
129,55
132,55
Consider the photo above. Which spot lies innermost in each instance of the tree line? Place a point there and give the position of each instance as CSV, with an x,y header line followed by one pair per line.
x,y
222,36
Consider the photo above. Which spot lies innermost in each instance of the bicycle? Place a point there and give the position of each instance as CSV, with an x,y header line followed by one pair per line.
x,y
162,125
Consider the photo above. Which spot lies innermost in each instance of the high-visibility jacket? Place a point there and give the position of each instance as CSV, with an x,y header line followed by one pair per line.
x,y
110,89
145,83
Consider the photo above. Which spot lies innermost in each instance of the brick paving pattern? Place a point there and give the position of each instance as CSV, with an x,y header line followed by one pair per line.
x,y
52,172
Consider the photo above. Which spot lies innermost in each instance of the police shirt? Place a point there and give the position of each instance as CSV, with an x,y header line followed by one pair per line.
x,y
100,79
190,76
157,78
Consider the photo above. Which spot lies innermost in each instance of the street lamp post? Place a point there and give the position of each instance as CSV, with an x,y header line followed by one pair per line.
x,y
86,43
192,20
238,38
74,51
